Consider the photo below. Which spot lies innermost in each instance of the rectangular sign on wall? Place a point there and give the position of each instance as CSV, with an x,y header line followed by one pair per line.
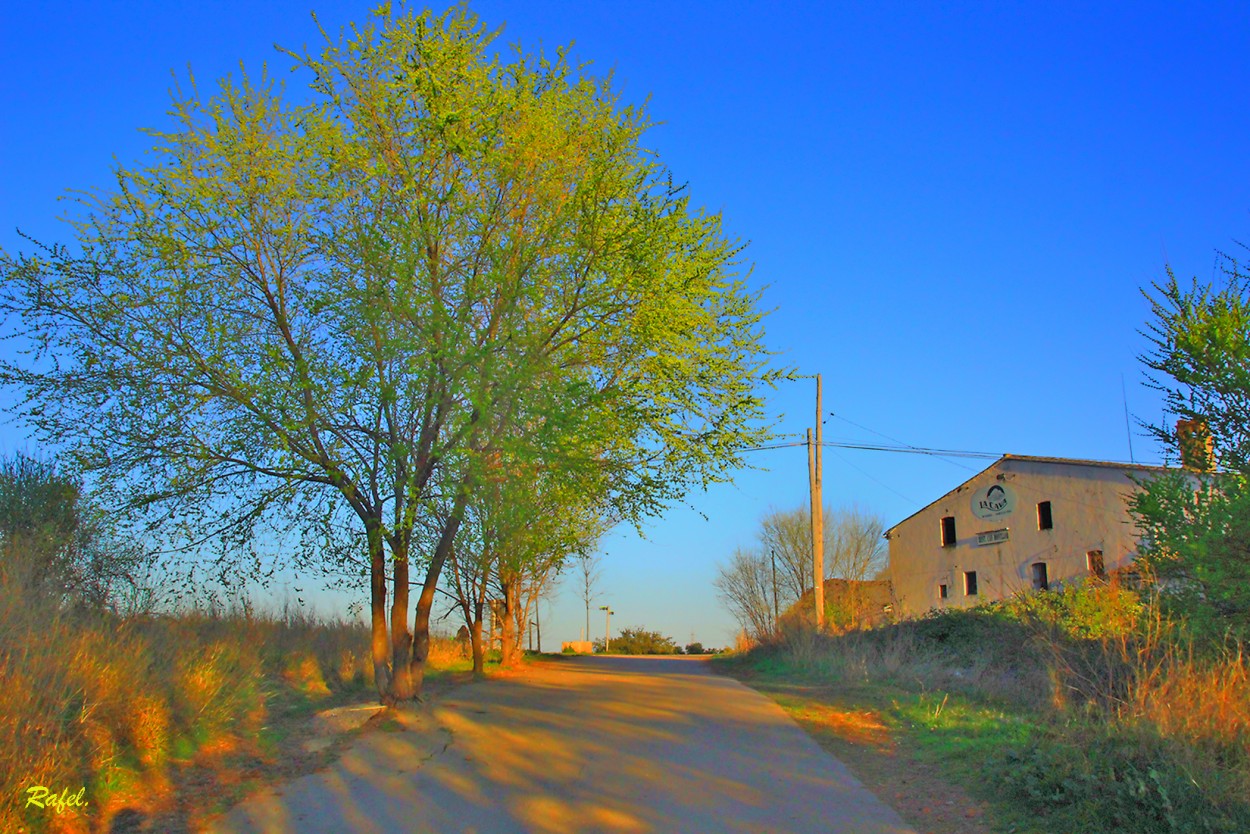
x,y
992,537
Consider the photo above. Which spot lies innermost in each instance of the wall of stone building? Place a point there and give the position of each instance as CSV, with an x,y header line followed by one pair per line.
x,y
998,535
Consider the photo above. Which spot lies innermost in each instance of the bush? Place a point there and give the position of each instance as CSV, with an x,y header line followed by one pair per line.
x,y
637,640
56,544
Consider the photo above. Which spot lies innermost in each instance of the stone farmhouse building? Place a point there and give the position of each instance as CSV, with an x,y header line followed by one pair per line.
x,y
1023,523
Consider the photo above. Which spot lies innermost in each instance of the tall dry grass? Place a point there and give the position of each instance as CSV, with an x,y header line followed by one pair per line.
x,y
109,704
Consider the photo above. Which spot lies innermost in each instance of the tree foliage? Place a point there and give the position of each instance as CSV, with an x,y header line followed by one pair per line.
x,y
638,640
351,308
1196,525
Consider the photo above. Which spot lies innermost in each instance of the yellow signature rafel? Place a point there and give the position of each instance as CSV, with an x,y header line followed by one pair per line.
x,y
42,797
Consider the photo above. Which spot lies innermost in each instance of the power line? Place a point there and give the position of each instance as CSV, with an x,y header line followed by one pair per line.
x,y
874,479
870,447
916,450
896,440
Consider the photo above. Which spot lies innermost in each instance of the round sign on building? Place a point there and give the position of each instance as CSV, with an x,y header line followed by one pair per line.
x,y
993,502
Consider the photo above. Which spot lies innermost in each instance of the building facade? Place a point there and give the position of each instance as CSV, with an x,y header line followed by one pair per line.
x,y
1024,523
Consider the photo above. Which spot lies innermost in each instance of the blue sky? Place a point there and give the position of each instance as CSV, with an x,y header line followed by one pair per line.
x,y
953,207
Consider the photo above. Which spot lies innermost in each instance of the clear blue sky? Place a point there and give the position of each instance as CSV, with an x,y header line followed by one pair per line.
x,y
953,207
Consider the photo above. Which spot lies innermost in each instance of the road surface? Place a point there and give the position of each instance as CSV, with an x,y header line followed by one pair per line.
x,y
613,744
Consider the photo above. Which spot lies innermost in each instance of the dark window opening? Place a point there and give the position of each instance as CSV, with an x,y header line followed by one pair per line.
x,y
1044,519
943,592
948,531
1093,561
1040,582
970,583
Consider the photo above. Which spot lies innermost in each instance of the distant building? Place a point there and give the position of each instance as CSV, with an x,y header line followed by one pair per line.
x,y
1024,523
849,603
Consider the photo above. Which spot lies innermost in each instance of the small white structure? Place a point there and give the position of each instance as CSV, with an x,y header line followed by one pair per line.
x,y
1023,523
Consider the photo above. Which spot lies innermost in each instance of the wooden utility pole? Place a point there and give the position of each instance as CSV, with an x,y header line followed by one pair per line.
x,y
815,467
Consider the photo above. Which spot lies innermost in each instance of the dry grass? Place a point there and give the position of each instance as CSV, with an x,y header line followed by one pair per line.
x,y
1205,699
115,705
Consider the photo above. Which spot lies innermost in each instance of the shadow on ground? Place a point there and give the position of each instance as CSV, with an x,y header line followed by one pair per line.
x,y
593,744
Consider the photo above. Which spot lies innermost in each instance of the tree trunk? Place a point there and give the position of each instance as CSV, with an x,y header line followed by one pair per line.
x,y
425,602
475,627
512,635
421,640
377,602
507,654
475,637
401,637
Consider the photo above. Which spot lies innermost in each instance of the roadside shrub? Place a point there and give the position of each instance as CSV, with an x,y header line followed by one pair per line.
x,y
1083,611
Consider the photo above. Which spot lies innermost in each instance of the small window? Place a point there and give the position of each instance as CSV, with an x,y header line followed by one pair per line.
x,y
970,583
1040,581
1044,519
1093,562
948,531
943,592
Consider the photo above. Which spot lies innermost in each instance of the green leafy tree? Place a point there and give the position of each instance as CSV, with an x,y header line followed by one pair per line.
x,y
523,523
346,308
1196,524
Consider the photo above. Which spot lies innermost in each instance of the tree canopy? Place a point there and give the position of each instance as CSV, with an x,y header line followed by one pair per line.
x,y
352,305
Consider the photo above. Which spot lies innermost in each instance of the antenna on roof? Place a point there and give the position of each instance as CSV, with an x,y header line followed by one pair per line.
x,y
1127,427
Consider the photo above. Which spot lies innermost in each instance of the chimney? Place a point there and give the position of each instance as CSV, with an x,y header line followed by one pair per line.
x,y
1196,445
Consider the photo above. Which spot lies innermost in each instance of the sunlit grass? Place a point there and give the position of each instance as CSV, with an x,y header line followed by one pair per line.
x,y
123,706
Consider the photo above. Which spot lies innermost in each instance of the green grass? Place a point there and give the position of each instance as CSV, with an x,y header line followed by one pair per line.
x,y
960,733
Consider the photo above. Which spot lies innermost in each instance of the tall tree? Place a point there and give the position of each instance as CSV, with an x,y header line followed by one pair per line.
x,y
854,547
745,586
356,302
1196,524
588,570
470,567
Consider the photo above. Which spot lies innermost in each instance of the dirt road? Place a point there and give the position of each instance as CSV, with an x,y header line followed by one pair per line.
x,y
611,744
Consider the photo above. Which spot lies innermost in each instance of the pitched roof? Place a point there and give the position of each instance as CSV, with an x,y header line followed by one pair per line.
x,y
1111,464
